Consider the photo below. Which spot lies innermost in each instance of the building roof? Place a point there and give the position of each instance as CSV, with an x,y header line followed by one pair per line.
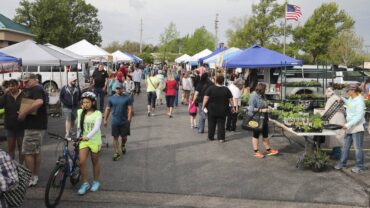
x,y
8,24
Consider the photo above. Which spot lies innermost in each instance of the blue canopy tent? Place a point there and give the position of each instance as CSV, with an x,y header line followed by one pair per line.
x,y
135,59
259,57
9,63
218,50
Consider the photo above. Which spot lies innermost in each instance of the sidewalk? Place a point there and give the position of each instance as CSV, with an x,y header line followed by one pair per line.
x,y
168,164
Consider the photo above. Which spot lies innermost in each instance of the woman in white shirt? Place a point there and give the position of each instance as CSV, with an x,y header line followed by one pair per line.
x,y
187,86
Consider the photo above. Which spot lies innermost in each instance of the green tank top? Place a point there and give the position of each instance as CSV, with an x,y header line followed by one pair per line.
x,y
89,125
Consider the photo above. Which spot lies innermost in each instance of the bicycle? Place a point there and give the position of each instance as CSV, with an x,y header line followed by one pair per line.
x,y
67,165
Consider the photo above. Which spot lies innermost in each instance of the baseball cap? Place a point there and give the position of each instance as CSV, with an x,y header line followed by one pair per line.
x,y
118,85
72,76
29,76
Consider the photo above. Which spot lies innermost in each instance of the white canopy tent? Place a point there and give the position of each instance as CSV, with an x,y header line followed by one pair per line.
x,y
182,59
31,54
80,59
88,50
64,59
199,55
120,56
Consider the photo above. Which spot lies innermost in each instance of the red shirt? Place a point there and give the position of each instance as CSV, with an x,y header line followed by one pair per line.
x,y
123,70
119,76
171,86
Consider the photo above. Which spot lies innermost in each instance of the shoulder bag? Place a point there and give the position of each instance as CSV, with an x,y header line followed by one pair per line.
x,y
15,197
254,122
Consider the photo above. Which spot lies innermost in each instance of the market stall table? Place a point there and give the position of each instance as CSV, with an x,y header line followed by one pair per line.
x,y
307,137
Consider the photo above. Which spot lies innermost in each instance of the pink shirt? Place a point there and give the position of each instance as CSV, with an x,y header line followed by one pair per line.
x,y
192,107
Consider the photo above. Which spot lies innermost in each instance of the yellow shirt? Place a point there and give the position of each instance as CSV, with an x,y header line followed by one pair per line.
x,y
152,84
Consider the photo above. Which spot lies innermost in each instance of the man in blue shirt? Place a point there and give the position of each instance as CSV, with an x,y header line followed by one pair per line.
x,y
120,105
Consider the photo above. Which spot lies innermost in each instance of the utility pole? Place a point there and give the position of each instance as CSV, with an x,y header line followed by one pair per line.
x,y
141,35
216,29
367,48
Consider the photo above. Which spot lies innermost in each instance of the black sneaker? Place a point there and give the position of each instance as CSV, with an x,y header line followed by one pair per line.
x,y
148,114
123,147
116,156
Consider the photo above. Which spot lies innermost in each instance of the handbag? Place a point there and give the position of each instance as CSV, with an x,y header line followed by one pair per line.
x,y
254,122
15,197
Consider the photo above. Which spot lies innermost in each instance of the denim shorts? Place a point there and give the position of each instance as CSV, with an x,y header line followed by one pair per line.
x,y
70,114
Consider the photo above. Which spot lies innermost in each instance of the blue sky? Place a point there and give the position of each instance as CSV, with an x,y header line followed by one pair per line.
x,y
121,18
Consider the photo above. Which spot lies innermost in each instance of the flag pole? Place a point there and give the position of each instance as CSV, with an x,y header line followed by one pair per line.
x,y
285,5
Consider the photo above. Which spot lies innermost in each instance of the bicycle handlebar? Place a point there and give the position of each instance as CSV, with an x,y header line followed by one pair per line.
x,y
56,136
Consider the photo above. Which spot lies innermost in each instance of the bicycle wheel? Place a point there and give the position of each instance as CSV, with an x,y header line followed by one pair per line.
x,y
55,186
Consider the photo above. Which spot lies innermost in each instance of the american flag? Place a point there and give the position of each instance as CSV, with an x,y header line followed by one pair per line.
x,y
293,12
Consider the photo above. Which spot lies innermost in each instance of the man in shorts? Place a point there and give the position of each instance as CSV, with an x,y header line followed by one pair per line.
x,y
70,98
35,124
120,105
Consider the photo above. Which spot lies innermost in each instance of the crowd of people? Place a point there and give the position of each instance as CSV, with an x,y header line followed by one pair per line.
x,y
207,95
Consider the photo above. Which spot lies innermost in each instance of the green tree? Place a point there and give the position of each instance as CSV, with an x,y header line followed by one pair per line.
x,y
265,26
113,46
170,33
320,29
346,48
130,47
60,22
147,57
200,40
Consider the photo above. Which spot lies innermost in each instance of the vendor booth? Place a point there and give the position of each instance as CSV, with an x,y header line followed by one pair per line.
x,y
194,60
182,59
215,52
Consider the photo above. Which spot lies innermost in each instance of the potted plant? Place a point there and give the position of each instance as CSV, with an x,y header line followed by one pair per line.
x,y
274,114
317,161
317,123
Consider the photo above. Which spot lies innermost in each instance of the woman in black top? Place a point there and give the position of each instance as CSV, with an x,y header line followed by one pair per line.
x,y
216,100
11,102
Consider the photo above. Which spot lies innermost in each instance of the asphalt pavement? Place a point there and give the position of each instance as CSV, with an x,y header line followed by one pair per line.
x,y
168,164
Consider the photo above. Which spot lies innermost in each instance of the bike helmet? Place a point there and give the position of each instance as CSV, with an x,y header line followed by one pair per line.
x,y
89,95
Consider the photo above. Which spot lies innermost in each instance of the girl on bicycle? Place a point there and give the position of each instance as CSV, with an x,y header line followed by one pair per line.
x,y
89,120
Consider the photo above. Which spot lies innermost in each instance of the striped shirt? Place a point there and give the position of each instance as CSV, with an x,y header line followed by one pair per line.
x,y
9,174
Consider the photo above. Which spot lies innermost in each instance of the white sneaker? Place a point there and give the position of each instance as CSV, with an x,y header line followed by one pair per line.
x,y
33,181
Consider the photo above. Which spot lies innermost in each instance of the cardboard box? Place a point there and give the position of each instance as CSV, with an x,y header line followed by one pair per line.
x,y
25,104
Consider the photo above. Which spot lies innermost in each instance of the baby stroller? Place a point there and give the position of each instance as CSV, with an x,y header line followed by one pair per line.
x,y
54,107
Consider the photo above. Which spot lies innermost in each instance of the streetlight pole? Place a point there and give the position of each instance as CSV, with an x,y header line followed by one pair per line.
x,y
141,35
216,29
